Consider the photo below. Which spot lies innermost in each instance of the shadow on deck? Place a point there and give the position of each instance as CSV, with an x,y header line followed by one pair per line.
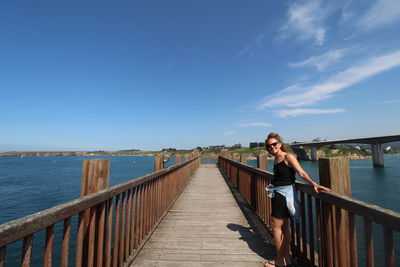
x,y
209,225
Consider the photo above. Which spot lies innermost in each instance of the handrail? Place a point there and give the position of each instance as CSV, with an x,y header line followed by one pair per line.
x,y
328,210
146,198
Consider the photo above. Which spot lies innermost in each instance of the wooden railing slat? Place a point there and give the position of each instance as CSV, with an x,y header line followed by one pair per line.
x,y
128,224
3,256
91,237
48,251
100,234
108,234
116,231
80,239
353,240
122,230
390,258
303,229
65,242
311,229
369,243
27,251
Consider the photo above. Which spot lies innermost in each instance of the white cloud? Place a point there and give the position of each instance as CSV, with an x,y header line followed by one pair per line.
x,y
322,61
296,95
229,132
300,111
306,21
254,124
389,102
383,12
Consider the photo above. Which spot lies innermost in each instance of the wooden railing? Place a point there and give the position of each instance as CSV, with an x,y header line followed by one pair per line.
x,y
120,220
326,233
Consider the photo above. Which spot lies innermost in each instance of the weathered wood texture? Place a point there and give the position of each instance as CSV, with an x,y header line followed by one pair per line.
x,y
205,227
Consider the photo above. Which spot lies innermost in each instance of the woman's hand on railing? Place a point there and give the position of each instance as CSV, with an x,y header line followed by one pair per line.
x,y
318,187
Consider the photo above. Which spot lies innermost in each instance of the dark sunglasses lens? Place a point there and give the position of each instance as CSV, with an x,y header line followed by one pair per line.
x,y
271,145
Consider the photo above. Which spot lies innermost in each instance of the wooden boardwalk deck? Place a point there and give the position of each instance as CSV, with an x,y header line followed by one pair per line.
x,y
206,227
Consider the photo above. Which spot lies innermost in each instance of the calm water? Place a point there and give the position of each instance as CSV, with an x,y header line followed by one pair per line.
x,y
32,184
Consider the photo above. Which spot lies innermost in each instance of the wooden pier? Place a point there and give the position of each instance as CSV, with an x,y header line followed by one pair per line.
x,y
205,227
200,215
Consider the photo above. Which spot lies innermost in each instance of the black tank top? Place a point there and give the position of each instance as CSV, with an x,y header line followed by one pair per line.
x,y
283,174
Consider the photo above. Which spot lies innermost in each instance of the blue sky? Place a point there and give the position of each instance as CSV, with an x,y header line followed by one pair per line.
x,y
110,75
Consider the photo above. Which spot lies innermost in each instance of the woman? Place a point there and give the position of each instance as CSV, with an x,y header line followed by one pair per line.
x,y
284,198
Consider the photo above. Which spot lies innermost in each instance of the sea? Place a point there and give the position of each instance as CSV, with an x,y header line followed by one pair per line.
x,y
32,184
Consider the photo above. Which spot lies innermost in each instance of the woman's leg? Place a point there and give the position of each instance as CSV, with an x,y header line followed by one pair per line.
x,y
277,231
287,238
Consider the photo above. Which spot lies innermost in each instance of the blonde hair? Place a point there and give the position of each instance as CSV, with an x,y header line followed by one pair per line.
x,y
277,137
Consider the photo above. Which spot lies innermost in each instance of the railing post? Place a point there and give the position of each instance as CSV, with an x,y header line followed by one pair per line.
x,y
177,158
158,163
243,158
335,174
186,157
95,177
262,162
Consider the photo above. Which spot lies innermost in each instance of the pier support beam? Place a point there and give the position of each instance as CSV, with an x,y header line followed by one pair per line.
x,y
314,155
377,155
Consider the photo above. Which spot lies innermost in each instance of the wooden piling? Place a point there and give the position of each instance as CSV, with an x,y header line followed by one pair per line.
x,y
158,163
262,162
335,174
177,158
95,177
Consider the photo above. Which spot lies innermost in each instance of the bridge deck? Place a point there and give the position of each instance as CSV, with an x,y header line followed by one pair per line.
x,y
205,227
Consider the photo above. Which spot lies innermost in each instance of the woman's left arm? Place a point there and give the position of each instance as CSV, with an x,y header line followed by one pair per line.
x,y
294,163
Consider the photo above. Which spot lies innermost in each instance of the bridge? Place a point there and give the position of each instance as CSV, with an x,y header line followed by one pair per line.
x,y
194,214
375,142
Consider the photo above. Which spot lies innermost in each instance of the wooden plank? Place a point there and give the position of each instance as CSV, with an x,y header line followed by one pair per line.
x,y
3,256
100,234
311,229
128,224
48,248
321,249
369,244
80,239
65,242
353,240
27,251
108,234
390,258
122,231
91,238
303,228
116,231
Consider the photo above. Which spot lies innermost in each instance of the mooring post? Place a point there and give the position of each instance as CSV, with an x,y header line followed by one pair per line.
x,y
262,162
158,163
335,174
95,177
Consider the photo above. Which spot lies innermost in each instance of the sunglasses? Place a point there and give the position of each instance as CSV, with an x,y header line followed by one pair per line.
x,y
272,144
